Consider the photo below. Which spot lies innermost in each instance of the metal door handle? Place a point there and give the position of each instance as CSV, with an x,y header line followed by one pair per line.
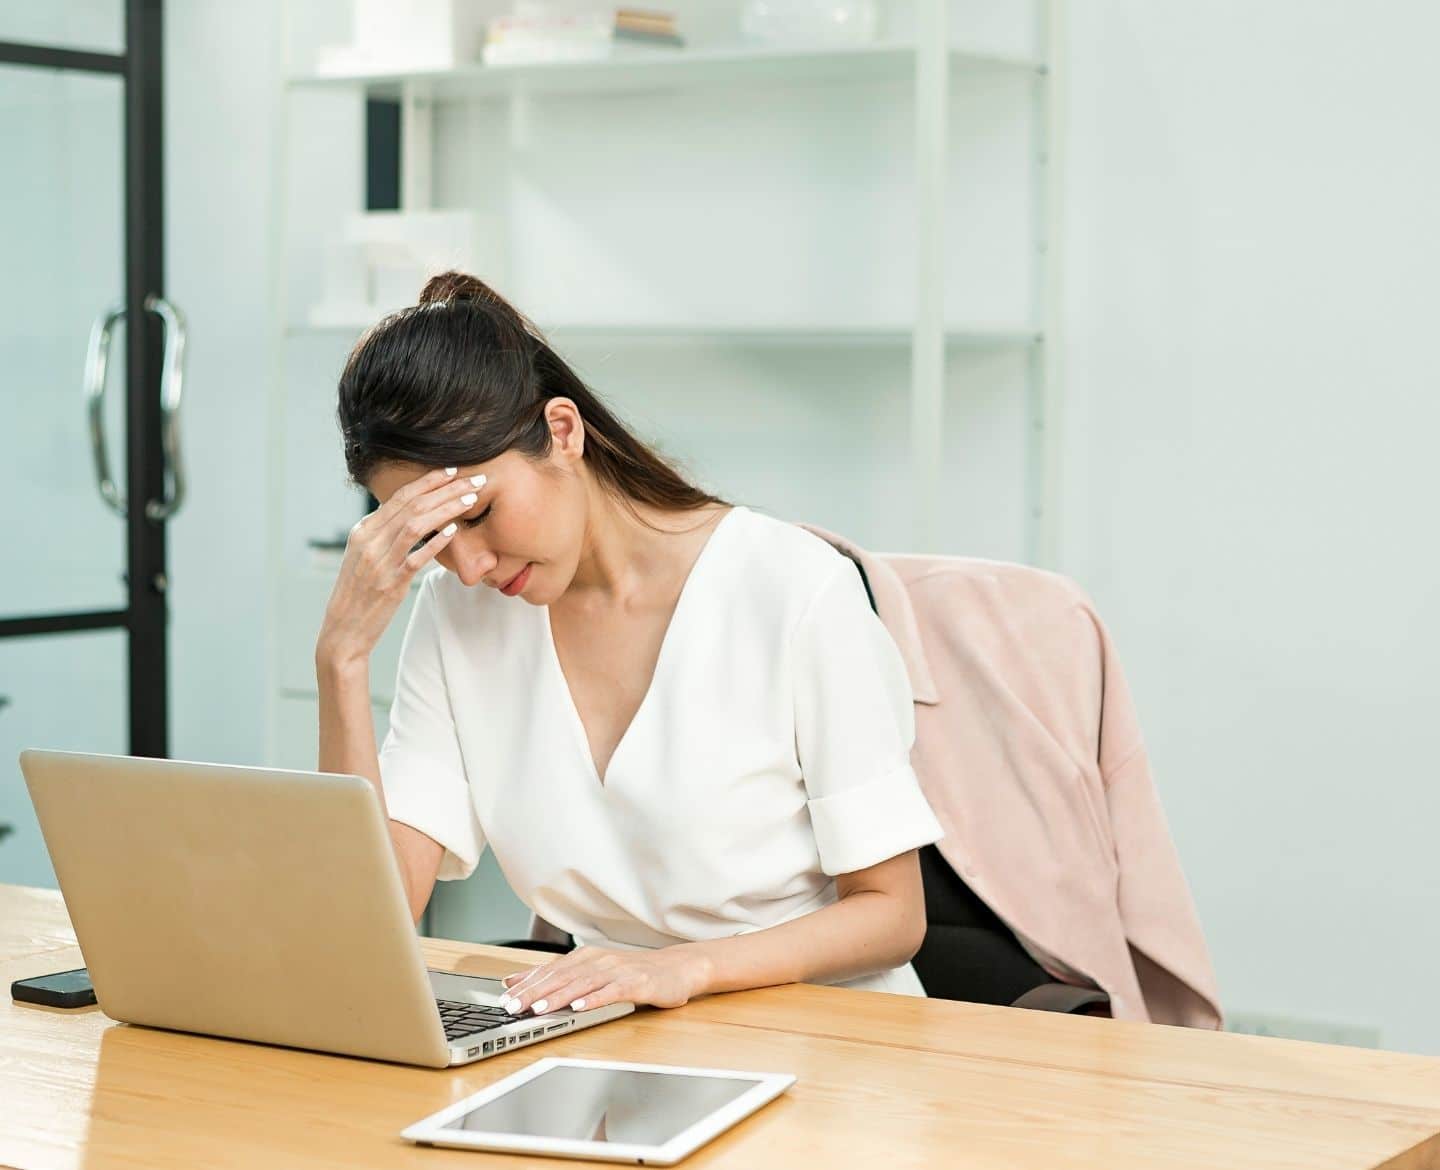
x,y
97,357
5,830
171,386
171,383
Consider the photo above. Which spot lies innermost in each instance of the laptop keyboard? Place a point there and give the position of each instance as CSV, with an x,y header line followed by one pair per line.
x,y
465,1019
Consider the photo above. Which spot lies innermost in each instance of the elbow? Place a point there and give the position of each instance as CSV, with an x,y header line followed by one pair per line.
x,y
417,894
911,925
417,898
897,923
905,936
913,939
893,895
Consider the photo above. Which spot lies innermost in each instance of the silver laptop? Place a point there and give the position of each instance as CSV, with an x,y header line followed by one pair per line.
x,y
261,905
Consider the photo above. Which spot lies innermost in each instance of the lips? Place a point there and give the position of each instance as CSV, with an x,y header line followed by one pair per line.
x,y
516,583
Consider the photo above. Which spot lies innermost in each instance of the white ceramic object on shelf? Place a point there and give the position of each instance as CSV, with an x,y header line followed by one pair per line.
x,y
384,258
810,22
394,35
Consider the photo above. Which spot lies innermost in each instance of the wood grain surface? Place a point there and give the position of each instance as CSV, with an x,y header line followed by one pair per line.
x,y
884,1081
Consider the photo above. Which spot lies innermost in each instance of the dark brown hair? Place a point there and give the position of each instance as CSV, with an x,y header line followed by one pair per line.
x,y
462,377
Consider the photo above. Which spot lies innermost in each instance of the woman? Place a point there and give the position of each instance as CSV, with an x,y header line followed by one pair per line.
x,y
690,749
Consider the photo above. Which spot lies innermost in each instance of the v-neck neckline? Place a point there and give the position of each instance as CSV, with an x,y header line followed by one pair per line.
x,y
577,722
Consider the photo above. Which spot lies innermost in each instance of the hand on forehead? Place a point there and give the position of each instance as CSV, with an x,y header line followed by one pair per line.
x,y
392,477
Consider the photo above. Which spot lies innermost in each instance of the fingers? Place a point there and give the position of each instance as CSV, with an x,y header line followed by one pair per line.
x,y
427,552
595,977
426,517
602,996
524,990
421,495
379,520
590,990
547,985
517,977
416,487
388,535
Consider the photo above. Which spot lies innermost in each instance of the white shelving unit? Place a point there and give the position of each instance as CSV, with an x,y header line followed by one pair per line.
x,y
753,333
914,341
644,69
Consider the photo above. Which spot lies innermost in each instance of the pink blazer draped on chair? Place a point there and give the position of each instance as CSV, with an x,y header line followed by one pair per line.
x,y
1029,750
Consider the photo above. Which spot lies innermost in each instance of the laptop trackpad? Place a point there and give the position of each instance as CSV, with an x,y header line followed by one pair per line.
x,y
466,988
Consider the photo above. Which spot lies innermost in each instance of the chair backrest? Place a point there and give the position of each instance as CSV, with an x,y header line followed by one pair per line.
x,y
969,953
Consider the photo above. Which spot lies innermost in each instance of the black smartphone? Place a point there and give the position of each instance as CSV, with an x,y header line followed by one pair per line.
x,y
63,989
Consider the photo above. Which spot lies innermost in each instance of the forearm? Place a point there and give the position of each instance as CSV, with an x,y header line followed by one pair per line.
x,y
347,728
866,932
347,747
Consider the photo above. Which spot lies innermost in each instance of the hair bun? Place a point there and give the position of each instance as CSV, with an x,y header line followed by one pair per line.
x,y
458,286
461,288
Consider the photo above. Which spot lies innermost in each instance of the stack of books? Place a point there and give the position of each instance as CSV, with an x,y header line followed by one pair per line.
x,y
541,32
646,27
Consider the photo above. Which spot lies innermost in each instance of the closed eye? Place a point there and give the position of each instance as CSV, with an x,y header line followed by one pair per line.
x,y
469,522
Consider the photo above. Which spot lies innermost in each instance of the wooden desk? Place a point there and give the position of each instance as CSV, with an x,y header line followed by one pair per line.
x,y
885,1081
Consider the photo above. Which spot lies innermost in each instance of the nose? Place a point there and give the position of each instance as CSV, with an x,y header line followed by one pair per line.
x,y
467,557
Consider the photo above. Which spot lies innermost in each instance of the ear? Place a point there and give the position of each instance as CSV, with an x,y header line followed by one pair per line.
x,y
567,430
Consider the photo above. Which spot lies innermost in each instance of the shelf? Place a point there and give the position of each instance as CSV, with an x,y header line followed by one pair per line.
x,y
631,70
800,336
744,334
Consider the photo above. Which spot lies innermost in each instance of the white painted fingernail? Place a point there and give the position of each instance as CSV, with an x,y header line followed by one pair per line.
x,y
451,470
478,480
539,1006
468,498
578,1005
448,530
510,1005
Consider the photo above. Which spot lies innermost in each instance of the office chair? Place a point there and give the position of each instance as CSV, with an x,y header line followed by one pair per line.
x,y
537,944
969,954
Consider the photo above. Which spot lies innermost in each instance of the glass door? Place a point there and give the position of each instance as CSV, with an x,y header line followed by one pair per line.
x,y
91,360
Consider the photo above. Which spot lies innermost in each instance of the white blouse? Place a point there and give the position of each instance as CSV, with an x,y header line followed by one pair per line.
x,y
771,752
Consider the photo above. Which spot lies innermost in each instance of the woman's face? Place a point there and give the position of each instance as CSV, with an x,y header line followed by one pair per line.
x,y
528,518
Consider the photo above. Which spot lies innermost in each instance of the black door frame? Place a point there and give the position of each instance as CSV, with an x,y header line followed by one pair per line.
x,y
144,619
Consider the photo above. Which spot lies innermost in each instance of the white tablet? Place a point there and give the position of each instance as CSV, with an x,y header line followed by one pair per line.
x,y
604,1110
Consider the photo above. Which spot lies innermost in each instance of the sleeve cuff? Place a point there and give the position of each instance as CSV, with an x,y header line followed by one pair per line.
x,y
407,801
873,822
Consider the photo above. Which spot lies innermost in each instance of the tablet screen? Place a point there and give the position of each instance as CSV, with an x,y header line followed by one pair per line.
x,y
604,1105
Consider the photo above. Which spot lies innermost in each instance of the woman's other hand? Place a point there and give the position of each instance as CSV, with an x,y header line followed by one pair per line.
x,y
594,977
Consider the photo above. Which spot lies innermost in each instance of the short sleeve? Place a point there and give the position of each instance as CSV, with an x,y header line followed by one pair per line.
x,y
854,726
421,768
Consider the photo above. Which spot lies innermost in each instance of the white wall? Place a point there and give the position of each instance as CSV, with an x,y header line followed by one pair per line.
x,y
1250,481
222,66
